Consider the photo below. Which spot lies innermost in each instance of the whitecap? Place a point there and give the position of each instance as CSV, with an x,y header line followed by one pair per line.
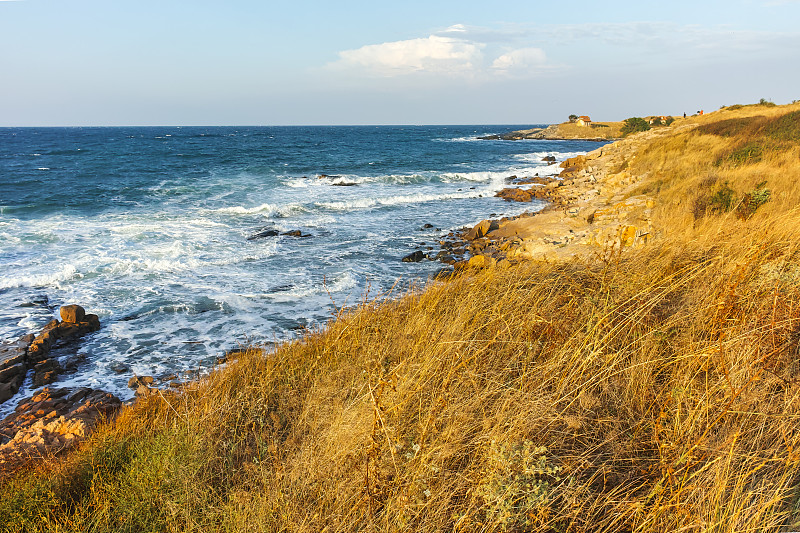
x,y
65,273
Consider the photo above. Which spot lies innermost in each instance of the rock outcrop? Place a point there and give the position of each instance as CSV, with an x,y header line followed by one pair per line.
x,y
49,422
32,352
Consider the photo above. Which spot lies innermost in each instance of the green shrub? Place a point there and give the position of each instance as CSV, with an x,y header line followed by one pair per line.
x,y
517,484
669,121
720,201
723,199
766,103
746,154
634,124
753,200
785,128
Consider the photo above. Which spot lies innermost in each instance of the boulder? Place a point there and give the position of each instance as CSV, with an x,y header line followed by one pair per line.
x,y
72,313
482,261
12,371
549,159
7,390
137,381
481,229
414,257
264,234
514,195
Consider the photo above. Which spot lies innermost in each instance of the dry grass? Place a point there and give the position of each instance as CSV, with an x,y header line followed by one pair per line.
x,y
657,390
600,130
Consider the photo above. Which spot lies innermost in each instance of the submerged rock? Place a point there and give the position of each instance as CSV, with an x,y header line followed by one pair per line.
x,y
264,234
295,233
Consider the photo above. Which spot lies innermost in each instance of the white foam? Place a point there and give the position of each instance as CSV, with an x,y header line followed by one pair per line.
x,y
263,209
536,157
364,203
65,273
460,139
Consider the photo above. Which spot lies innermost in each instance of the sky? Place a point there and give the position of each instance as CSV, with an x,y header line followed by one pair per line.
x,y
242,62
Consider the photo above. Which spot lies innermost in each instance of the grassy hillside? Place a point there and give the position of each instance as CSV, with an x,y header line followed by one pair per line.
x,y
599,130
654,389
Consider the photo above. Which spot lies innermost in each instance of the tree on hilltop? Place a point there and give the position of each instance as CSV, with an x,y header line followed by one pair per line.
x,y
634,124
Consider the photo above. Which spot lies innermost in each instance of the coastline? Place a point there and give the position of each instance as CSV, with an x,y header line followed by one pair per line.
x,y
566,131
590,208
593,207
36,406
617,387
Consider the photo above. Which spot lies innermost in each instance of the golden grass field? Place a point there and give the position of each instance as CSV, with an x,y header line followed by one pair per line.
x,y
652,389
604,130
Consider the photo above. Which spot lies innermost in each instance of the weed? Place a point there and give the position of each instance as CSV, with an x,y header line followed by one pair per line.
x,y
518,483
753,200
664,381
747,154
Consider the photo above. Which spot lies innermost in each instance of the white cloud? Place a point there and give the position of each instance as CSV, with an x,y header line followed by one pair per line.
x,y
521,60
434,54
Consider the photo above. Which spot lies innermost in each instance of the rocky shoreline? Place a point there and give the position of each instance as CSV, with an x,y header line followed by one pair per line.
x,y
593,207
556,132
52,420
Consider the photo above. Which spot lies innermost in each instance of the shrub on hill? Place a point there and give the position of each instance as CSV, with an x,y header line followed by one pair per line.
x,y
634,124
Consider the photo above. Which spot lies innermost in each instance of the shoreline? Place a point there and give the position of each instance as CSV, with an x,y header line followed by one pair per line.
x,y
571,223
566,131
593,207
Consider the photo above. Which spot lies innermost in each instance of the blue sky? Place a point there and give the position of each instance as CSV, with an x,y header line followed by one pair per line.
x,y
144,62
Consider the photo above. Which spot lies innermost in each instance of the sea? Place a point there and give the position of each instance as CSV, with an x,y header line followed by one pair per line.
x,y
169,233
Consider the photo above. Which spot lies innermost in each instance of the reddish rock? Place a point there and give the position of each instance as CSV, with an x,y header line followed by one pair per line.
x,y
481,229
49,422
514,195
72,313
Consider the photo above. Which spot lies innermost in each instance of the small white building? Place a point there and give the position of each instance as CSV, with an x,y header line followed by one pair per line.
x,y
584,121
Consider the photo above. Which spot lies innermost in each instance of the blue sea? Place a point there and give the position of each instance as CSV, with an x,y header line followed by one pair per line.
x,y
152,229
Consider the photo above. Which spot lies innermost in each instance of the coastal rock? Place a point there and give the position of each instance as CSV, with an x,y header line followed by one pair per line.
x,y
31,351
51,421
264,234
414,257
295,233
482,261
72,313
549,159
481,229
511,194
137,381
